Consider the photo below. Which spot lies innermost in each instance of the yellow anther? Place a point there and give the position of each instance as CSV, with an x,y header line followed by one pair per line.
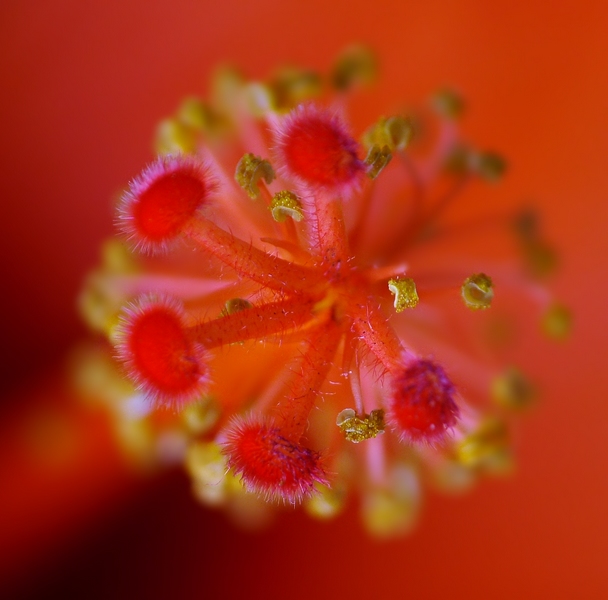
x,y
137,440
116,257
96,377
200,417
458,160
292,86
357,65
393,510
235,305
359,428
487,448
489,165
477,291
97,306
513,390
326,503
174,137
205,463
557,321
540,259
261,99
194,113
394,132
448,103
526,224
286,204
207,467
452,476
377,159
226,86
404,290
250,170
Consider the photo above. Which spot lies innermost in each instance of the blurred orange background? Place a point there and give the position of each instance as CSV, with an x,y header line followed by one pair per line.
x,y
84,85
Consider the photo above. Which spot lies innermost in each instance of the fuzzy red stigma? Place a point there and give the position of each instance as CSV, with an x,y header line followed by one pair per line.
x,y
158,353
162,199
315,149
270,464
422,407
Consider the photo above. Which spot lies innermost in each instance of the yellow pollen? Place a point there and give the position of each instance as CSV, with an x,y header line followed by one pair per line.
x,y
540,258
404,290
196,114
292,86
477,291
357,65
377,159
235,305
207,467
359,428
201,416
286,204
394,132
392,509
487,447
448,103
250,170
326,502
488,165
261,99
513,390
174,137
557,322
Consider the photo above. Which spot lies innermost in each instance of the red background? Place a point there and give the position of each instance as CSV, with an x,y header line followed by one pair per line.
x,y
84,85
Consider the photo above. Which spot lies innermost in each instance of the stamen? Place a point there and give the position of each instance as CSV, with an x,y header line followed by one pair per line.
x,y
250,170
326,502
286,204
197,114
377,159
173,137
207,467
448,103
488,165
395,133
235,305
557,321
357,65
392,508
477,292
357,428
292,86
513,390
404,290
200,417
487,447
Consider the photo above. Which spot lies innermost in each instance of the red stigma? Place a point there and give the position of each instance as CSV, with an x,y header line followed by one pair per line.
x,y
160,202
422,406
270,464
315,148
158,352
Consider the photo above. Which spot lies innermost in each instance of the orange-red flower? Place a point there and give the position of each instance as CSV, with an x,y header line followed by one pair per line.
x,y
312,295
